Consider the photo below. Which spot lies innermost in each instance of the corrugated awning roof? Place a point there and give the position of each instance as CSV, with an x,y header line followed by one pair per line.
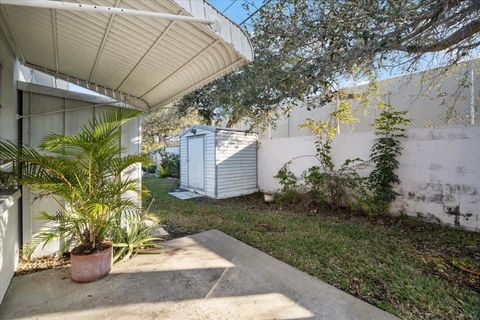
x,y
143,60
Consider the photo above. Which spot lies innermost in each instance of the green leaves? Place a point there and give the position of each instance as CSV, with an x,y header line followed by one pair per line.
x,y
83,173
132,238
286,178
390,123
311,47
389,126
342,185
161,126
333,185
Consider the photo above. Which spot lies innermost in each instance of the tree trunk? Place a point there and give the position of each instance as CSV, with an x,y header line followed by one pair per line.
x,y
231,123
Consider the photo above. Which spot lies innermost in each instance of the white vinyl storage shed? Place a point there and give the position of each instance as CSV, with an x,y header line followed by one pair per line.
x,y
218,162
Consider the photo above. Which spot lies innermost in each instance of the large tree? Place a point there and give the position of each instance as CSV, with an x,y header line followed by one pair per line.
x,y
310,47
228,101
161,127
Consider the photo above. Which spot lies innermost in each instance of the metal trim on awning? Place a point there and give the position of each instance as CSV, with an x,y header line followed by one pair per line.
x,y
145,53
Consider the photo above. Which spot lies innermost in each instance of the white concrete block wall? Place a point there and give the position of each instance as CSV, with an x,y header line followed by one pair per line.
x,y
439,169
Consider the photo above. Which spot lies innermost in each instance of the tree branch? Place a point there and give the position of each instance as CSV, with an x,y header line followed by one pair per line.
x,y
455,38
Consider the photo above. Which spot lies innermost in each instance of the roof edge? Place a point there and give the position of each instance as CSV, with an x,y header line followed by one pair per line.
x,y
68,94
222,28
209,128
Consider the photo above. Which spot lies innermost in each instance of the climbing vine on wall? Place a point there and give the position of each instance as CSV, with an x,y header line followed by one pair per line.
x,y
389,128
334,186
342,186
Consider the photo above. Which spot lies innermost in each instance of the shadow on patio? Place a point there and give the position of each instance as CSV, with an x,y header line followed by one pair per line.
x,y
205,276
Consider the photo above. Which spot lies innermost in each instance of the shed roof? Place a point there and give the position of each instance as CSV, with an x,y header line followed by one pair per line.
x,y
146,53
209,128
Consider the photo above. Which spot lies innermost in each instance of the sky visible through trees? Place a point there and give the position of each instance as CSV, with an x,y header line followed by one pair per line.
x,y
239,10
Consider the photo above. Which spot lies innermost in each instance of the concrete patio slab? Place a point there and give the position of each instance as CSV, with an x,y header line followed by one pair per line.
x,y
185,195
205,276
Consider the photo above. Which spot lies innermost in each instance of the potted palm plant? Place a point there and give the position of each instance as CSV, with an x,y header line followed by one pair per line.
x,y
83,173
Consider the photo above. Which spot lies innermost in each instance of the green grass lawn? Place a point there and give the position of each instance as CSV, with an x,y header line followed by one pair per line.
x,y
409,268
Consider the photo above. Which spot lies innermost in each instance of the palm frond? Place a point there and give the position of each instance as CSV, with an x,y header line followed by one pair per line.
x,y
132,238
85,172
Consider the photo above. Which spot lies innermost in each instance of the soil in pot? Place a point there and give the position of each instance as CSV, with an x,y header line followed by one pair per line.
x,y
91,265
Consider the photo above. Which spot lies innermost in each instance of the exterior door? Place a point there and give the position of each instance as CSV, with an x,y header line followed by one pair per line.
x,y
196,162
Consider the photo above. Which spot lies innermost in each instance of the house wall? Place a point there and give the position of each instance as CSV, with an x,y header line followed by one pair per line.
x,y
72,115
236,161
131,140
439,169
8,91
9,210
209,160
13,226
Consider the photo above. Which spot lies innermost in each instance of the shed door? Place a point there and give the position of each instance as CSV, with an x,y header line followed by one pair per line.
x,y
196,162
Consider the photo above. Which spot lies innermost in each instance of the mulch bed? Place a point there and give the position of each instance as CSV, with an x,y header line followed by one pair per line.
x,y
40,264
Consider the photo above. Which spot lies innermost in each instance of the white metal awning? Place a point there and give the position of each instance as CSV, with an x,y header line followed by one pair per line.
x,y
147,53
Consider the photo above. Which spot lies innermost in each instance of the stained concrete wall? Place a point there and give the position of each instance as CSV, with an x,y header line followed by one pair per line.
x,y
439,169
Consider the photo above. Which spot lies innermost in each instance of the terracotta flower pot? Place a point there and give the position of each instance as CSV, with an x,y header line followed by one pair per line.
x,y
91,267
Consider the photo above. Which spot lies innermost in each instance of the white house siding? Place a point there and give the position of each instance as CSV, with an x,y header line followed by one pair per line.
x,y
69,121
439,169
209,147
9,211
8,92
131,140
236,161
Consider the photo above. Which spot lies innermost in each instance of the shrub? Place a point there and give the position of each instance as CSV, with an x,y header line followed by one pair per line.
x,y
342,186
83,173
286,178
291,198
325,183
389,127
370,205
132,237
171,163
162,172
152,168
